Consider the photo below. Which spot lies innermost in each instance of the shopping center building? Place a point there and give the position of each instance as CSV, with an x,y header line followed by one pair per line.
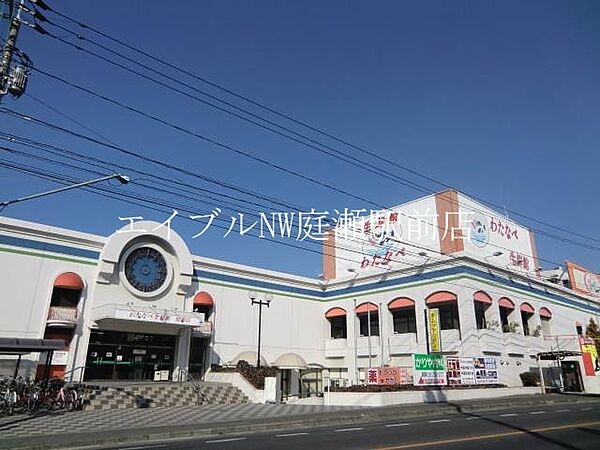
x,y
137,305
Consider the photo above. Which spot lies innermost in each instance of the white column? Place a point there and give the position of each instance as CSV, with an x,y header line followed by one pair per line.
x,y
183,352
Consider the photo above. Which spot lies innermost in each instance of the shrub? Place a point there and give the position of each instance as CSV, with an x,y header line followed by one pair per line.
x,y
255,376
530,378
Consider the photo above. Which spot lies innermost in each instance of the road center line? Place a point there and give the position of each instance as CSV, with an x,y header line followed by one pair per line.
x,y
216,441
587,409
439,420
290,434
563,410
343,430
537,412
491,436
397,424
474,418
508,415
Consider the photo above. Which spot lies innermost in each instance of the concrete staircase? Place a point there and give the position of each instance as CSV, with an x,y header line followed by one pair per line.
x,y
112,395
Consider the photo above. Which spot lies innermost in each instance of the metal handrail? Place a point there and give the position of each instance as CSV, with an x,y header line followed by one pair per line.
x,y
195,384
72,371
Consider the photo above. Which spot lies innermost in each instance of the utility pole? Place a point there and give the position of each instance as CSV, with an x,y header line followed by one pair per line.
x,y
266,302
13,79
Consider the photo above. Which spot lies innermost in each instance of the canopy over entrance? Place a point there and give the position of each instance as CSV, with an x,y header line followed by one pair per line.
x,y
22,346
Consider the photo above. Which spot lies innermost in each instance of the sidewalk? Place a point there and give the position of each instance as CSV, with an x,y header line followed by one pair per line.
x,y
63,430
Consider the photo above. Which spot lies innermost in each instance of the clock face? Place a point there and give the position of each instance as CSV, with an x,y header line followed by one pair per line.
x,y
146,269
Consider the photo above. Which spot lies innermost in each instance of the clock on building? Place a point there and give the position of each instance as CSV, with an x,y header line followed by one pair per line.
x,y
145,269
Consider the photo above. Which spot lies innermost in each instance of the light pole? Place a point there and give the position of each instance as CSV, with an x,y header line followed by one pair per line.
x,y
122,178
266,302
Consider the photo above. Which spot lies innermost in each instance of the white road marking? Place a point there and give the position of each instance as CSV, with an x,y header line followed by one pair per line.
x,y
563,410
397,424
537,412
290,434
342,430
439,420
474,418
508,415
216,441
150,446
587,409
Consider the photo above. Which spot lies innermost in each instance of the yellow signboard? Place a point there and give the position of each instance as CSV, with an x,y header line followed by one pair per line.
x,y
434,330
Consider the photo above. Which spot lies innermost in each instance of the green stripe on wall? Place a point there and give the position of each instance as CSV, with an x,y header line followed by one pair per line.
x,y
47,256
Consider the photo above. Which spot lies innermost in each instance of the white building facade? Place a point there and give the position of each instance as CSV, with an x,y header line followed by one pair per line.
x,y
138,305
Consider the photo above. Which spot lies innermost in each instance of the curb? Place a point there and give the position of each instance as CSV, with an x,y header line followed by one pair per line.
x,y
319,420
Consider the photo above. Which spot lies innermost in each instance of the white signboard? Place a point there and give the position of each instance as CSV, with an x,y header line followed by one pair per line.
x,y
60,358
486,371
159,317
486,232
467,371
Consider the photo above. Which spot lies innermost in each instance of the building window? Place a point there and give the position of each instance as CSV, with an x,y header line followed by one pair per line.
x,y
405,320
65,297
449,316
364,323
546,329
338,327
504,315
480,311
525,318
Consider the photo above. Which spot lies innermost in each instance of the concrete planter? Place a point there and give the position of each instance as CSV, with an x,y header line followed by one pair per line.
x,y
432,396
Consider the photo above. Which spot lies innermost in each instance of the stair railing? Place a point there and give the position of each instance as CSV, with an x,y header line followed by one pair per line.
x,y
185,376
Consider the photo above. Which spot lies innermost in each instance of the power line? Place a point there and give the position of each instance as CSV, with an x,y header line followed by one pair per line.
x,y
143,200
299,122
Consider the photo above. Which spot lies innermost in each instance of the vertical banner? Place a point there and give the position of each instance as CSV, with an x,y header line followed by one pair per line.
x,y
429,370
454,370
434,330
589,353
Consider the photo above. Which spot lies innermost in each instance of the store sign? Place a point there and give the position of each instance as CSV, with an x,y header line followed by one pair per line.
x,y
486,371
158,317
388,376
429,370
460,371
434,330
590,356
583,280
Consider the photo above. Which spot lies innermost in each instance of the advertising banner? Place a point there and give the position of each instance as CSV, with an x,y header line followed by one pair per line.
x,y
429,370
486,371
583,280
389,376
590,356
460,370
434,330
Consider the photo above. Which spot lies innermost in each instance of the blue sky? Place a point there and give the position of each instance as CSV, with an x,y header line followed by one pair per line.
x,y
499,99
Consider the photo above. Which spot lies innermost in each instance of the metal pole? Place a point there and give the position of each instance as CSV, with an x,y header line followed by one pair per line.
x,y
542,384
426,331
356,374
259,329
9,48
17,367
380,316
123,179
369,330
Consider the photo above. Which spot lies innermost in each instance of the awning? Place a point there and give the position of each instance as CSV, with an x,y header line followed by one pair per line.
x,y
335,312
441,297
21,346
203,299
366,307
545,313
526,307
556,355
250,357
506,303
402,302
482,297
290,361
69,280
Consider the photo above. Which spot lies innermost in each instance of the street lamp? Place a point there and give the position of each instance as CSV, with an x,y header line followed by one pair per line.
x,y
122,178
266,302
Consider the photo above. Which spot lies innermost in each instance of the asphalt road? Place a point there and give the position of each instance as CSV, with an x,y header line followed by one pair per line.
x,y
570,426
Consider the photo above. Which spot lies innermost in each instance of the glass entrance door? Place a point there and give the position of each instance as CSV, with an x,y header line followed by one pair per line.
x,y
114,355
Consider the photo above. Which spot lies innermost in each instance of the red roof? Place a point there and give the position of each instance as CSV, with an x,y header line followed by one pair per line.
x,y
441,297
335,312
482,297
402,302
366,307
203,299
69,280
506,303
